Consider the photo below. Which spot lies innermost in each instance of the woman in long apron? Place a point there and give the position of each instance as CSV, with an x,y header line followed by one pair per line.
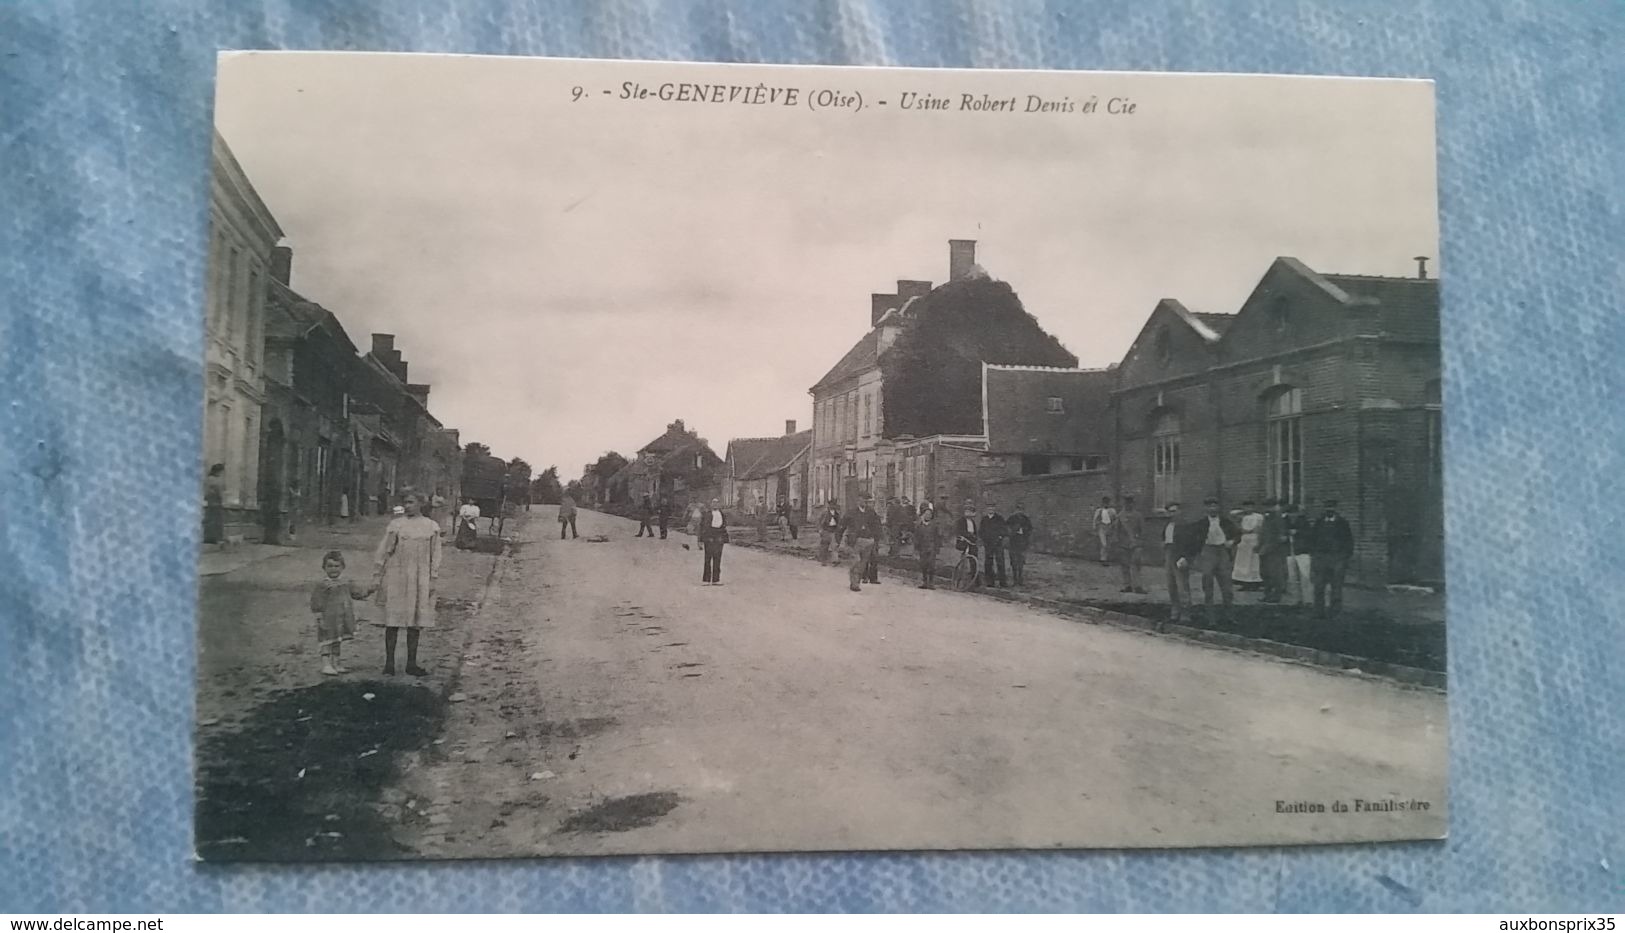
x,y
404,573
1245,572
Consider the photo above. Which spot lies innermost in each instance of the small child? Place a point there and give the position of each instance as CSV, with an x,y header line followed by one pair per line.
x,y
335,617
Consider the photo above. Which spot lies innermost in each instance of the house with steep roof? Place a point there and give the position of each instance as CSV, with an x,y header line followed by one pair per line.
x,y
1321,386
678,466
900,413
760,471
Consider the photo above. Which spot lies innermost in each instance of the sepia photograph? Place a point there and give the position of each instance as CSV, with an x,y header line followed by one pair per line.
x,y
624,457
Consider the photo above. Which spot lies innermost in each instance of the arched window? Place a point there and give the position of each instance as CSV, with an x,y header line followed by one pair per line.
x,y
1284,437
1280,315
1163,344
1165,460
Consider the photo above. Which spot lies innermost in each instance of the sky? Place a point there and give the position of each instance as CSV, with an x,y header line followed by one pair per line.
x,y
570,274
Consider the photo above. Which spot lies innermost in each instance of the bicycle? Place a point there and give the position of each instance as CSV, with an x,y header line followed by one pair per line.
x,y
967,571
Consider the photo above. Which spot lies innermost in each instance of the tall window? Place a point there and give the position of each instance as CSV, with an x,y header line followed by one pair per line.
x,y
1431,402
1165,460
868,415
1284,432
253,341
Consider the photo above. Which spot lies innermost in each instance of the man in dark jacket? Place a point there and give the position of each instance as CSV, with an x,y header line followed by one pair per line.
x,y
1331,544
862,534
1208,543
646,511
967,530
663,512
992,537
829,532
1018,530
713,534
927,542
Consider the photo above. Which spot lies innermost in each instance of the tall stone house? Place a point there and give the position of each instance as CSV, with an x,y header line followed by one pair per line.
x,y
242,236
901,413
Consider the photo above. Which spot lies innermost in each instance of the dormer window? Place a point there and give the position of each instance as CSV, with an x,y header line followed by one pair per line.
x,y
1053,405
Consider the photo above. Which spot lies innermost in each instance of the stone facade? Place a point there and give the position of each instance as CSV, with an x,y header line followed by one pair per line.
x,y
242,236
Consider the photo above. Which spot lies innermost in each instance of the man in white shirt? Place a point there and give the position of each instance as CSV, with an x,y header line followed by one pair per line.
x,y
1103,519
1212,538
1179,577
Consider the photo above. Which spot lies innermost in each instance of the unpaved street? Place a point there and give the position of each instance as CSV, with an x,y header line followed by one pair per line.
x,y
610,703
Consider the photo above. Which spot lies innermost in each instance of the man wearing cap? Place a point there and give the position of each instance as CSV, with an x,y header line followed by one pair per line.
x,y
1179,576
829,531
1130,535
1272,551
1331,544
1018,534
1209,540
992,537
862,534
927,541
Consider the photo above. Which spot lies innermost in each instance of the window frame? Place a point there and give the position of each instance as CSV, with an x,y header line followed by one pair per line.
x,y
1283,444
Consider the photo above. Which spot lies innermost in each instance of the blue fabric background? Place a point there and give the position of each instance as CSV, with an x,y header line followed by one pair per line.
x,y
104,148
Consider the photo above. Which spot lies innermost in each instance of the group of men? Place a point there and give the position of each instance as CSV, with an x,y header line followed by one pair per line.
x,y
1294,552
990,537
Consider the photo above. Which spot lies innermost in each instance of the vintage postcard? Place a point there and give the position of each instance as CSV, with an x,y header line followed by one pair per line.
x,y
644,457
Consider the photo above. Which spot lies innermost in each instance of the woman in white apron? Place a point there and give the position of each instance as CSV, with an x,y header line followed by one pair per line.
x,y
1245,572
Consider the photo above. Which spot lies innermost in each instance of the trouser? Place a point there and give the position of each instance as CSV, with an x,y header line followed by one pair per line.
x,y
993,564
795,532
784,528
662,527
928,570
643,525
713,562
1299,584
865,554
1018,565
1129,557
1215,565
1328,573
1104,533
569,523
826,542
1272,568
1179,585
871,570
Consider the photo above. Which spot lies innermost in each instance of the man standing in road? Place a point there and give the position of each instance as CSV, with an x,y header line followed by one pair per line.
x,y
927,542
1018,530
862,535
1209,541
1272,551
1130,536
567,516
646,511
829,532
1102,523
992,541
663,513
713,535
1331,545
1179,577
1298,566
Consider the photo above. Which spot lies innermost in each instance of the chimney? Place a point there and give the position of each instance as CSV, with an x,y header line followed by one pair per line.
x,y
789,426
961,258
878,305
911,288
420,391
282,264
1421,267
382,346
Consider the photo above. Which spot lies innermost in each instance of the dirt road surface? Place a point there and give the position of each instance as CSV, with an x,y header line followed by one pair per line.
x,y
609,703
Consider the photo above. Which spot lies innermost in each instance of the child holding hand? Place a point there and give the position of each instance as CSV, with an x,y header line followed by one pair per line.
x,y
335,617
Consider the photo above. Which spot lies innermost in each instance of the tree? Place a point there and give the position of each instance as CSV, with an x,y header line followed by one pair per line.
x,y
519,480
573,490
476,450
546,487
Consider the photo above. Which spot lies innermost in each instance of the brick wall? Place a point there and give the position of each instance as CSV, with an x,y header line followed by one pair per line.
x,y
1060,506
